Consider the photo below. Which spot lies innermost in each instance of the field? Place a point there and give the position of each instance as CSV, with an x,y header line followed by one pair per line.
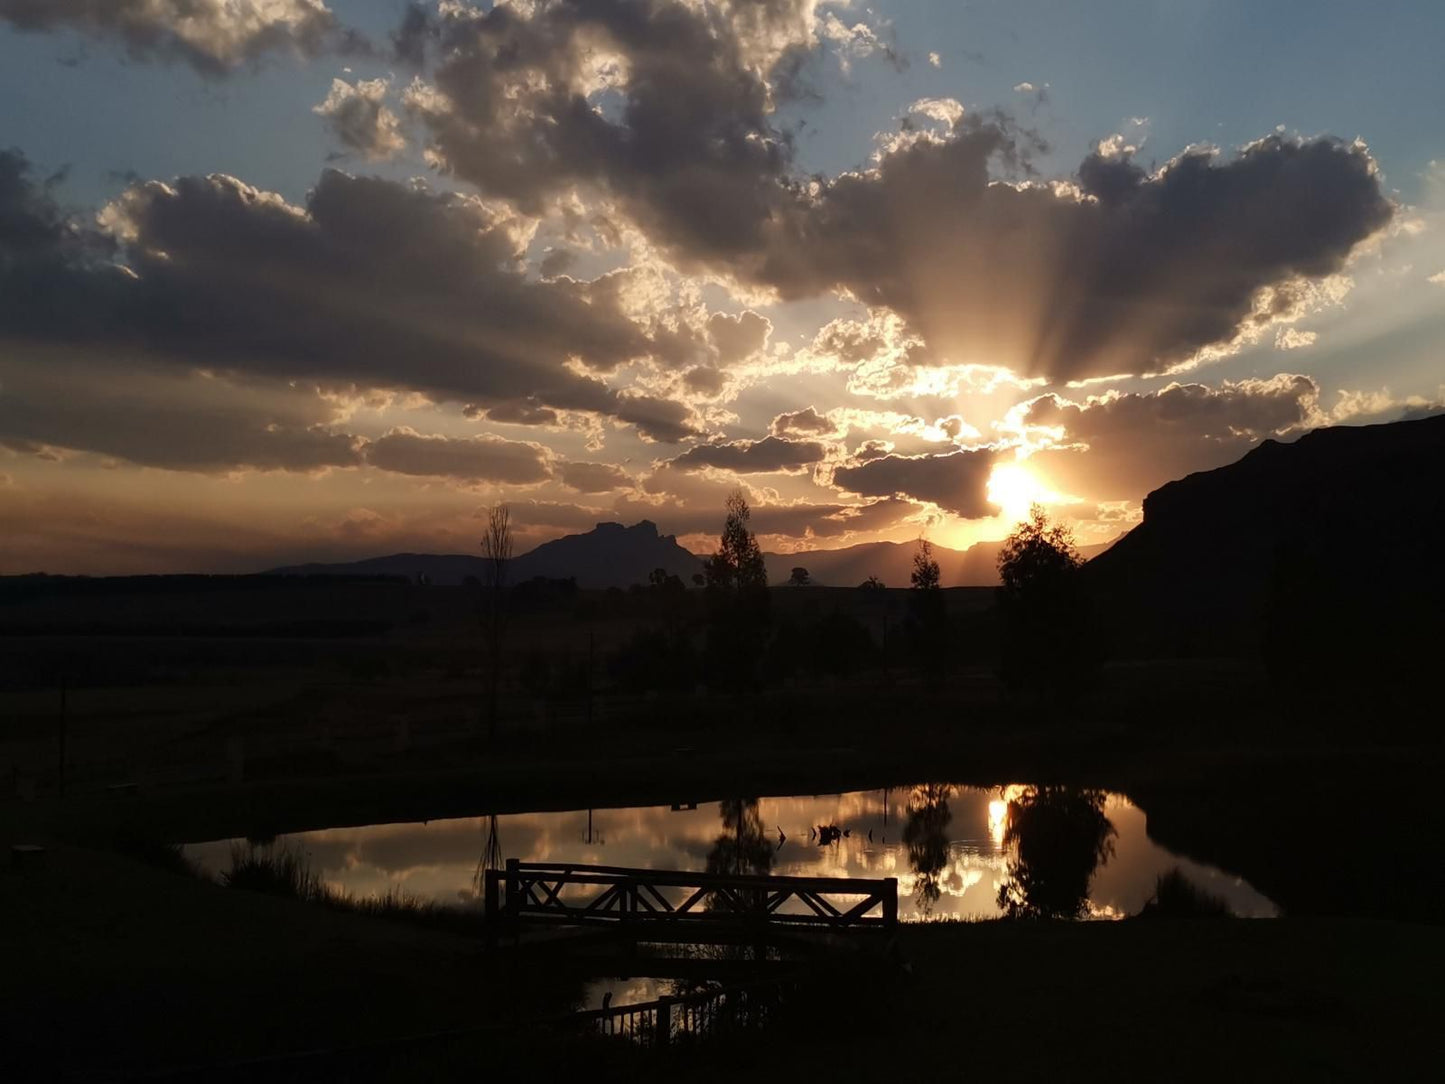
x,y
266,722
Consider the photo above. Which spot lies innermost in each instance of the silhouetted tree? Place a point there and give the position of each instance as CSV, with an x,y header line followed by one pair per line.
x,y
737,591
926,836
799,577
662,581
872,583
1047,640
496,552
928,624
1058,837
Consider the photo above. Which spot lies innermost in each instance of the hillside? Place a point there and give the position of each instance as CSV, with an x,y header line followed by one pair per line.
x,y
1334,536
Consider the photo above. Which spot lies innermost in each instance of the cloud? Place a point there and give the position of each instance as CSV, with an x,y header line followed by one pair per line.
x,y
357,115
752,456
593,477
161,418
1121,446
656,110
1292,338
956,482
685,145
472,459
737,338
372,284
213,36
797,520
806,422
1122,272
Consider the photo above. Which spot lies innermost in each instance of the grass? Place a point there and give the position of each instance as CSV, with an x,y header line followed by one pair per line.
x,y
285,871
1175,896
277,871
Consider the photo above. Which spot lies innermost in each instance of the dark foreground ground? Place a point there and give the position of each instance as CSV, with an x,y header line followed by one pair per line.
x,y
113,968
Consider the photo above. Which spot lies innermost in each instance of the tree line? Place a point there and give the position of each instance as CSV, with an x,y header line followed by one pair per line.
x,y
734,636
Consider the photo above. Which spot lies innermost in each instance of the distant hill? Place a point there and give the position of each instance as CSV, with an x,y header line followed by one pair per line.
x,y
892,562
1328,545
611,555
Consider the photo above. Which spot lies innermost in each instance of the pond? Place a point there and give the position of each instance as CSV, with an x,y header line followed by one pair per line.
x,y
962,852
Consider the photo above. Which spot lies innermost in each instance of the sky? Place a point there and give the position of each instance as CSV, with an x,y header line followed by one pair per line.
x,y
285,280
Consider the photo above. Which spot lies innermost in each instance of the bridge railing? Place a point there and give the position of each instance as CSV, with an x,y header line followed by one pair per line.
x,y
572,894
700,1014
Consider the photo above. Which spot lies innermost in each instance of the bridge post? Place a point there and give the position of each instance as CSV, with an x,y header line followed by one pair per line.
x,y
890,902
663,1034
514,894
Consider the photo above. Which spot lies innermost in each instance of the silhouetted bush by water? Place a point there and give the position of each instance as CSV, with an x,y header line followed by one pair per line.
x,y
1175,896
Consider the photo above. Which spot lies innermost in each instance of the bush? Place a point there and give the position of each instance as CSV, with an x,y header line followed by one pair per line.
x,y
276,871
1175,896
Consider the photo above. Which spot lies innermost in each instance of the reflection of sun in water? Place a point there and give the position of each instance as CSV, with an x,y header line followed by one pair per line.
x,y
998,810
1014,488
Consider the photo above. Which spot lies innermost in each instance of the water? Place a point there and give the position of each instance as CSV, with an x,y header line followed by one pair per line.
x,y
957,851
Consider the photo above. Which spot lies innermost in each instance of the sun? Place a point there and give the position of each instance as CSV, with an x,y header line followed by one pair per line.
x,y
1015,488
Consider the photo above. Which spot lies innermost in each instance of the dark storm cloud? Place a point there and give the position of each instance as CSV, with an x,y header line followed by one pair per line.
x,y
213,36
372,284
752,456
1129,273
472,459
593,477
1123,446
955,481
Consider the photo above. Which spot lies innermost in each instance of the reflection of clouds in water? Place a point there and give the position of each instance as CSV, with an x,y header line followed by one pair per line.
x,y
438,860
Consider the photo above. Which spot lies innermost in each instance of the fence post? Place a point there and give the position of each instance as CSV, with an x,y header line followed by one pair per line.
x,y
890,902
664,1021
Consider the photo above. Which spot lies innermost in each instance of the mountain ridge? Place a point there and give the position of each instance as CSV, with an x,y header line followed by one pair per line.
x,y
612,555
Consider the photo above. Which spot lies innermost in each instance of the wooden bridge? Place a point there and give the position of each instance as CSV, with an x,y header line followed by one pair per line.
x,y
673,905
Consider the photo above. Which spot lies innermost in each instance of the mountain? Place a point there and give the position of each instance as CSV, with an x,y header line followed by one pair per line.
x,y
1329,544
609,555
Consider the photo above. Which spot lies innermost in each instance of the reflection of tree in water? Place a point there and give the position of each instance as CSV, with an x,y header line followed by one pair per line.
x,y
743,846
926,835
1058,837
491,854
